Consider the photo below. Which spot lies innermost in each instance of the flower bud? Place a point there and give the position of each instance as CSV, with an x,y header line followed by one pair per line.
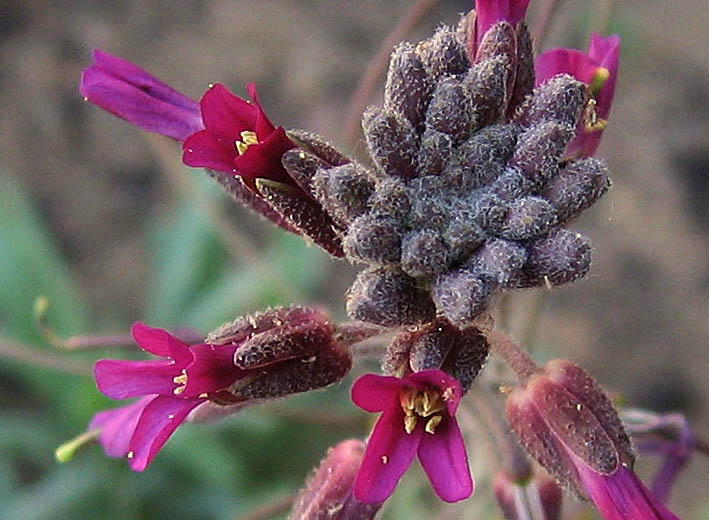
x,y
540,496
388,297
328,492
561,412
408,89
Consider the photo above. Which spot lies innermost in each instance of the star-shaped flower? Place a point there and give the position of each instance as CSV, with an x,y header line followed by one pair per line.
x,y
418,418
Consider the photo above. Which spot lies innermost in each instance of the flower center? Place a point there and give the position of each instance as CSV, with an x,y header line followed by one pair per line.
x,y
248,138
424,404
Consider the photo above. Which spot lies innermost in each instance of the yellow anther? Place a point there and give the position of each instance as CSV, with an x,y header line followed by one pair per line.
x,y
593,123
248,137
180,380
409,423
130,455
432,423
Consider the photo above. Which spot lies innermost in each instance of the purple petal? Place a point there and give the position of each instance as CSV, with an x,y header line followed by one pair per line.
x,y
159,420
203,150
212,370
564,61
226,115
131,73
390,451
263,160
443,457
489,12
159,342
263,126
125,379
117,426
621,495
133,94
375,393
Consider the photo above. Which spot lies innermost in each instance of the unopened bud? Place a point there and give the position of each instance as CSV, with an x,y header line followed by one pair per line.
x,y
388,297
561,99
392,142
344,191
564,419
408,89
328,492
578,186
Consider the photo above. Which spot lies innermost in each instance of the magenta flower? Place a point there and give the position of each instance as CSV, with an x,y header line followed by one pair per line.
x,y
489,12
131,93
262,356
418,418
170,390
569,425
621,495
238,138
598,68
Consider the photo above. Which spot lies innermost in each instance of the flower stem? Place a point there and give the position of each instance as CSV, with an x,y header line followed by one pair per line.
x,y
43,359
376,68
511,353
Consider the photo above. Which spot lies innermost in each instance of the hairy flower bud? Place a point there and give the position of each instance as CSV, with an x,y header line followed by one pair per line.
x,y
328,493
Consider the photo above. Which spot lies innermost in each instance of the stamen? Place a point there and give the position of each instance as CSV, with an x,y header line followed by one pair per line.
x,y
593,123
432,423
180,380
409,423
248,137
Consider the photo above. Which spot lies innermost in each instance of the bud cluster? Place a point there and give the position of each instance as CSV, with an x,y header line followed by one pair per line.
x,y
469,191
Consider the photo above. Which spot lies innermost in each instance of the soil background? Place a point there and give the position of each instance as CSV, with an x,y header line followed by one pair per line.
x,y
638,322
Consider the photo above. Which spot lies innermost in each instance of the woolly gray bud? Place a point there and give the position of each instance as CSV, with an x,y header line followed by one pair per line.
x,y
577,187
434,153
500,40
373,239
560,99
461,296
511,184
450,110
528,217
483,156
539,150
388,297
560,257
301,165
408,89
319,147
487,84
344,191
424,254
467,356
443,54
463,236
498,261
391,141
391,199
489,210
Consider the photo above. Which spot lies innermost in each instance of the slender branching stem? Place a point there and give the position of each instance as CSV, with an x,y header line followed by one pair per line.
x,y
502,346
42,359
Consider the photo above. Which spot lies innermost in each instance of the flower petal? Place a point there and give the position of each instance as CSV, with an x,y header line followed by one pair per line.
x,y
226,115
117,426
621,496
263,160
564,61
375,393
133,94
125,379
263,126
203,150
160,342
213,369
159,420
445,461
489,12
390,451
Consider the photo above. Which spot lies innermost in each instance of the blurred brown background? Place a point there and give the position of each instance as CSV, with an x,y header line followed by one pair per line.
x,y
638,322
